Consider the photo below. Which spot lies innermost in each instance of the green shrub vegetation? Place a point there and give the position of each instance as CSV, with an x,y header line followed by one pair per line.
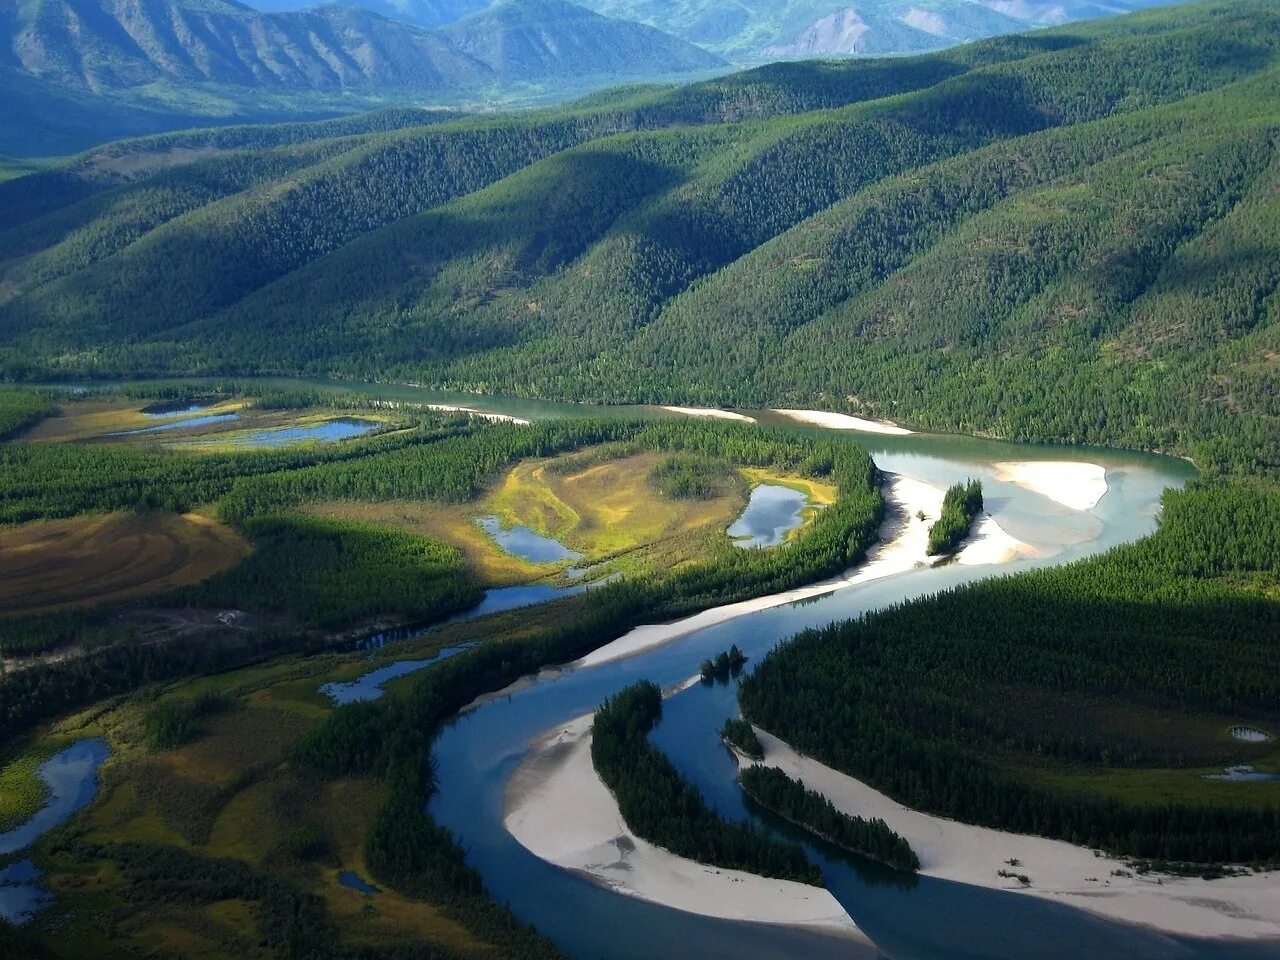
x,y
664,808
1015,702
20,409
960,505
725,664
692,478
793,801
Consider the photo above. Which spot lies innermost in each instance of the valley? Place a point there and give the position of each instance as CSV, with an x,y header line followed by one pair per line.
x,y
828,509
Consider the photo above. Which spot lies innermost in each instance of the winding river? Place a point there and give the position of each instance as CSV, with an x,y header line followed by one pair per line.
x,y
928,920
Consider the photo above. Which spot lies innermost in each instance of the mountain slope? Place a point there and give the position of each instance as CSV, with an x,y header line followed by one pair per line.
x,y
69,68
1045,235
103,45
423,13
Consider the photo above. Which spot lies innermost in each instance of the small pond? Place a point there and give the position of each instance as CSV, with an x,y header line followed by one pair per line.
x,y
1250,734
175,408
71,775
513,598
527,544
330,431
21,896
771,513
1243,773
370,686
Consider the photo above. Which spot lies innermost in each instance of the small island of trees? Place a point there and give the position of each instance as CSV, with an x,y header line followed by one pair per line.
x,y
962,503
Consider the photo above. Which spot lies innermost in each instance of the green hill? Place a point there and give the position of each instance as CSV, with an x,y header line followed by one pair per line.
x,y
1067,235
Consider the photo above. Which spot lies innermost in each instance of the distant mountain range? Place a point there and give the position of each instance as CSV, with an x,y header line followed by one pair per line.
x,y
750,31
156,64
747,31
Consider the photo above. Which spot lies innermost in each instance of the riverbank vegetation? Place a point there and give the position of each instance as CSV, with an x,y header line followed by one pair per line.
x,y
1085,703
960,506
742,736
660,806
796,803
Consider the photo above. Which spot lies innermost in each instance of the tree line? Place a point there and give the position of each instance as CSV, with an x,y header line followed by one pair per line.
x,y
793,801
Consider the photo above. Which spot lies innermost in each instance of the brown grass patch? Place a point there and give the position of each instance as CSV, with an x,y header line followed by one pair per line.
x,y
58,564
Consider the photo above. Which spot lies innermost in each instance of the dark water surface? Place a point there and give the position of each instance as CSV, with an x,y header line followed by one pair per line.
x,y
772,512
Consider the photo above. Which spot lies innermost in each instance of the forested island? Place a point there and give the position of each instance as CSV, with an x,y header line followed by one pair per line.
x,y
1031,703
960,507
663,808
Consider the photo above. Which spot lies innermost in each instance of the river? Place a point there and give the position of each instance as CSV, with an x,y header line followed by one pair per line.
x,y
932,919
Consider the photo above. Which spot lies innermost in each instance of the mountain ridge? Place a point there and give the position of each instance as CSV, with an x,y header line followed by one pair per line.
x,y
148,59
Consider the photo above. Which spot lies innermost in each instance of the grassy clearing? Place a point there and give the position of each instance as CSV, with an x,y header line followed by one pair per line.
x,y
85,420
603,509
1158,787
22,792
52,565
229,793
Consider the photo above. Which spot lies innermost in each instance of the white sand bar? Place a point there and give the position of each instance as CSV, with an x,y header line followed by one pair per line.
x,y
1073,484
713,412
1246,906
483,415
843,421
989,543
904,539
558,809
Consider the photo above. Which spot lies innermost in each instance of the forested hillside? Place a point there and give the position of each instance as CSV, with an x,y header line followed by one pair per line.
x,y
1065,235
